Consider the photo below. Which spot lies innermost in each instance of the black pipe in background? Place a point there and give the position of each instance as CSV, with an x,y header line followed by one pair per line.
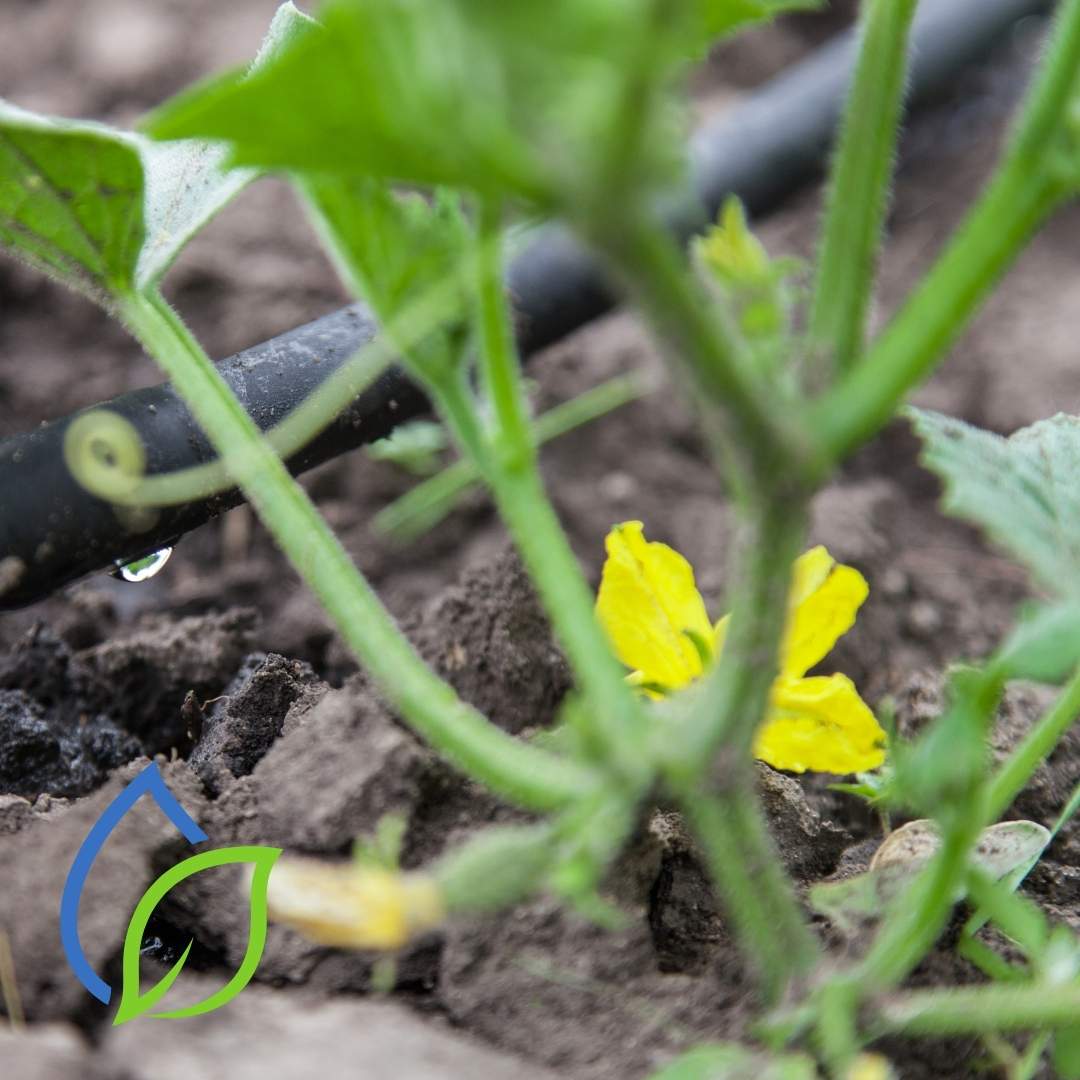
x,y
52,531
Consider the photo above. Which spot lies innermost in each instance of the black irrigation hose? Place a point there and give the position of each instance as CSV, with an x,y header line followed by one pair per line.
x,y
52,531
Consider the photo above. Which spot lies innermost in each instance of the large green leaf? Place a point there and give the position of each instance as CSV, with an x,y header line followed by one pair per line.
x,y
518,98
1022,491
406,91
106,212
722,17
392,249
71,200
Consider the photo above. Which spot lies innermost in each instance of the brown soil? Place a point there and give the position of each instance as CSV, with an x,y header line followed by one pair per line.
x,y
296,751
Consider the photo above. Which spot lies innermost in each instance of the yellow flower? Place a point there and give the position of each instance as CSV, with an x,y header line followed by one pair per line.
x,y
656,619
353,905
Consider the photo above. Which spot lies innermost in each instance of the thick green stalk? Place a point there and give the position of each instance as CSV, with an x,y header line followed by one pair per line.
x,y
617,172
1003,220
615,718
499,364
1033,749
859,185
746,869
735,696
998,1007
729,824
509,767
1039,170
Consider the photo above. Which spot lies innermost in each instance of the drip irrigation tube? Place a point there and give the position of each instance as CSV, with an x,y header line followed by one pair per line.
x,y
52,531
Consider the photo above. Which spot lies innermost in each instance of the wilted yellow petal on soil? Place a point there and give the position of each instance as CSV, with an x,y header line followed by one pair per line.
x,y
870,1067
651,609
821,724
824,600
352,905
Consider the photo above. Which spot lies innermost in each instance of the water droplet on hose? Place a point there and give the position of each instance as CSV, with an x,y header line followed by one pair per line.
x,y
145,568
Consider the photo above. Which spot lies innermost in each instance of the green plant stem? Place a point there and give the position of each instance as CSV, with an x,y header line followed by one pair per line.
x,y
511,768
837,1028
748,872
1033,749
499,363
1009,1007
1015,879
617,174
916,920
1014,915
1032,180
859,184
308,418
996,229
616,722
735,696
1029,1060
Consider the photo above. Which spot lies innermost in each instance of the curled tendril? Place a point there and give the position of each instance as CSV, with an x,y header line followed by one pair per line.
x,y
105,454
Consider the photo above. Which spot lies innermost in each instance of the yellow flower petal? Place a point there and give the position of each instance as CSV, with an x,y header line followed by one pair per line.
x,y
650,608
820,724
823,602
353,906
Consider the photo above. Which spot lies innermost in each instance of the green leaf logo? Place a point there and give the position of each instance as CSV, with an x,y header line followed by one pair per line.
x,y
132,1003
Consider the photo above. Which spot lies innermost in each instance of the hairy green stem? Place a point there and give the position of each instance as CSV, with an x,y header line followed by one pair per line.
x,y
615,720
616,724
729,823
305,421
1033,749
1035,176
746,869
859,185
499,363
994,232
837,1034
509,767
1006,1007
735,696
